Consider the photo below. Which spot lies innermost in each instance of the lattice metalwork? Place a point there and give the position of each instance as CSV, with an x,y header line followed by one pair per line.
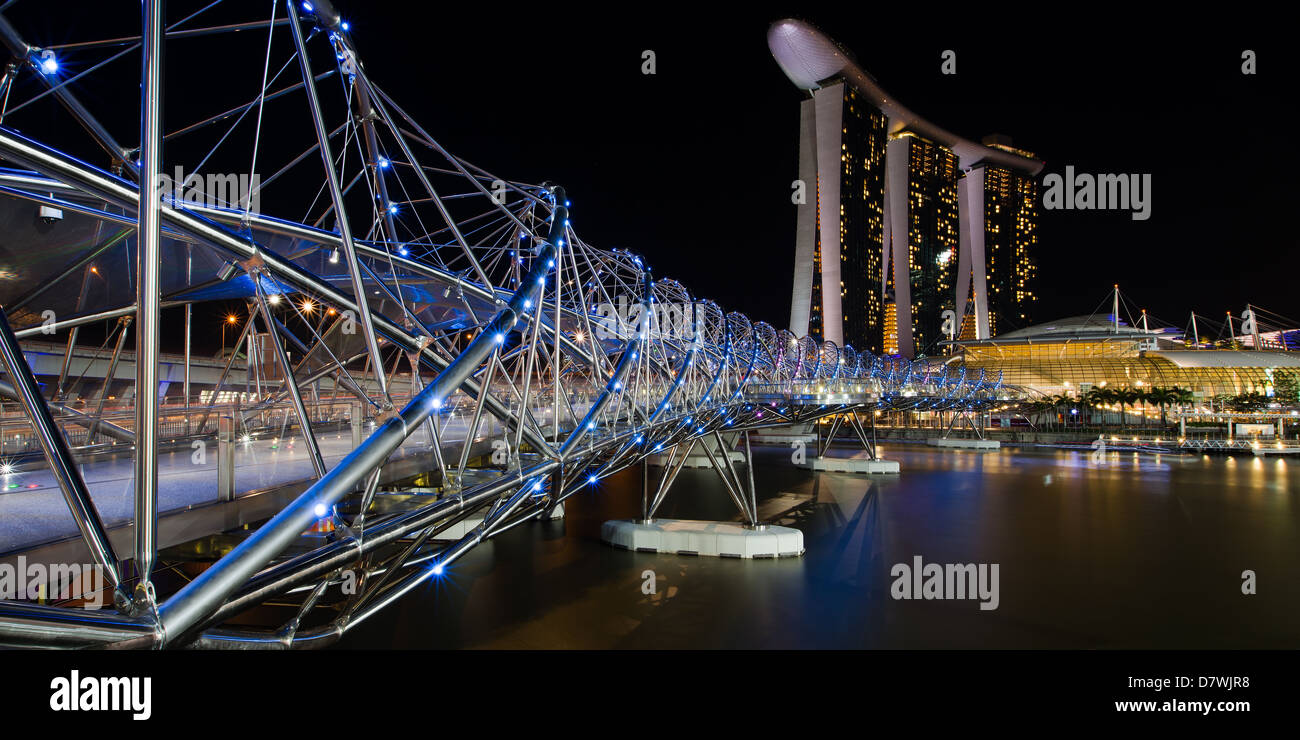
x,y
439,312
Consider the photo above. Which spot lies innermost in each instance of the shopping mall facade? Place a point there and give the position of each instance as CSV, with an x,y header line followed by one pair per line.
x,y
1071,356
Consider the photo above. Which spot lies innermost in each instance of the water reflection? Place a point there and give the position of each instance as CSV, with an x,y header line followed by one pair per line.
x,y
1141,551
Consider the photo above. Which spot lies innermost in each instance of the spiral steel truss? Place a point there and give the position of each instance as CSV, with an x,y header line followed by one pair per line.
x,y
574,362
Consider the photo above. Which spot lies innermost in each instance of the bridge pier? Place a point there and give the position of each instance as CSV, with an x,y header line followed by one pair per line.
x,y
978,442
748,539
709,539
859,462
698,458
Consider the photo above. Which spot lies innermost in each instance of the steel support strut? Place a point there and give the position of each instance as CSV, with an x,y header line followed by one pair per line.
x,y
59,457
205,594
148,307
340,213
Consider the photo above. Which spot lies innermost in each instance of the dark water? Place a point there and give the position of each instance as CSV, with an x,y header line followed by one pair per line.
x,y
1143,552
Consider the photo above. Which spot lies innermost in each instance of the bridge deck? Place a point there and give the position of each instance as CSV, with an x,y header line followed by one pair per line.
x,y
33,512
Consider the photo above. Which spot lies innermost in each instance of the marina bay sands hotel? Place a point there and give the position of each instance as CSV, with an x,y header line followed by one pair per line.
x,y
908,221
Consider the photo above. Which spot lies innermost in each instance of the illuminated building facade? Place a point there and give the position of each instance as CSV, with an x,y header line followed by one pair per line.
x,y
1071,356
890,341
1010,242
924,264
840,230
902,208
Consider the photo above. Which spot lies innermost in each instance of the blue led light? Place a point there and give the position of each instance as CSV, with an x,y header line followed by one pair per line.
x,y
49,63
345,26
437,569
501,338
384,163
591,480
307,7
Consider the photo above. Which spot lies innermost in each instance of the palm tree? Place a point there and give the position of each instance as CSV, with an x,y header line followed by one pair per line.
x,y
1142,396
1162,398
1058,403
1126,397
1094,398
1105,397
1031,409
1046,408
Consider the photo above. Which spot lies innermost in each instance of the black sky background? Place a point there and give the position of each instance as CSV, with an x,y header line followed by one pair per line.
x,y
692,167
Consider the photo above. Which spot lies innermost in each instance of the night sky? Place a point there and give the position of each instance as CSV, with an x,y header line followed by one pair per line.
x,y
692,167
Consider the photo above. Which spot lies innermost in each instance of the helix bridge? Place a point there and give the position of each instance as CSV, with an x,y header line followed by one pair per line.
x,y
458,314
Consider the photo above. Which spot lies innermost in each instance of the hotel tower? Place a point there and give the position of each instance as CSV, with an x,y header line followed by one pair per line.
x,y
904,220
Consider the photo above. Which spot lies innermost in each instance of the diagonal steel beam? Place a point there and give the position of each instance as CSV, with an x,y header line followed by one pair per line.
x,y
59,457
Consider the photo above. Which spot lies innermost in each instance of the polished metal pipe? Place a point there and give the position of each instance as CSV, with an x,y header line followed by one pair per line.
x,y
52,626
148,306
22,50
77,417
290,384
106,187
340,212
185,609
59,457
285,575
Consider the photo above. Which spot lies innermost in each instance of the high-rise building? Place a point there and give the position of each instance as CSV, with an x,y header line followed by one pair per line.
x,y
1010,241
902,208
841,246
923,255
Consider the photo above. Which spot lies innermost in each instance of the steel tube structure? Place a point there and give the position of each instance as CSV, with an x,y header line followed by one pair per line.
x,y
60,459
290,384
340,210
205,593
148,306
580,359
